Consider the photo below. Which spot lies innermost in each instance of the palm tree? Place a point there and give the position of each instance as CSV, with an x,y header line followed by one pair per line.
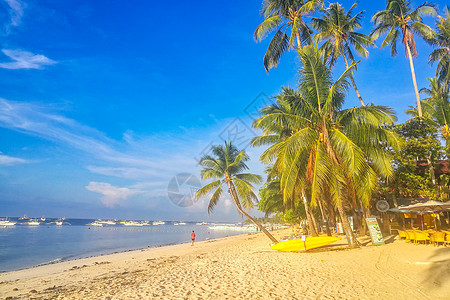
x,y
398,17
226,168
442,41
332,152
437,107
275,132
338,27
282,15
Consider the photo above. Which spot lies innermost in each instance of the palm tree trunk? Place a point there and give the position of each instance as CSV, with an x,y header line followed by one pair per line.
x,y
309,216
352,241
324,217
413,74
365,214
353,83
431,168
299,43
239,207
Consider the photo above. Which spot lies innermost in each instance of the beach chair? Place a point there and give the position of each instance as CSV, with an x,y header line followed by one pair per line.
x,y
447,238
402,234
437,237
421,236
410,236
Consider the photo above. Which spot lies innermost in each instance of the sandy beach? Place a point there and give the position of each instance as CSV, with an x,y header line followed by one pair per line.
x,y
242,267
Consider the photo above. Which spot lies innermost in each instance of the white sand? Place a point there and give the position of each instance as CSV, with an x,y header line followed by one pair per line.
x,y
243,267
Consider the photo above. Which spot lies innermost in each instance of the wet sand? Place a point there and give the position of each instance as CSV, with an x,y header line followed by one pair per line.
x,y
243,267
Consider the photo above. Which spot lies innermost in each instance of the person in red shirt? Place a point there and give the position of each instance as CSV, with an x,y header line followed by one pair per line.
x,y
193,237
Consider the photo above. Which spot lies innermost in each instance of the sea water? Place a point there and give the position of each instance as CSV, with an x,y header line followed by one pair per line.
x,y
23,246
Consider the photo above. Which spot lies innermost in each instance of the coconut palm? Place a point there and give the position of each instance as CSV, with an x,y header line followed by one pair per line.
x,y
442,41
338,29
332,152
437,106
282,16
280,130
399,18
226,167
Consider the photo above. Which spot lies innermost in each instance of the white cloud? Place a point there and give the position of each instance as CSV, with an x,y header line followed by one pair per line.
x,y
25,60
15,11
123,172
6,160
112,195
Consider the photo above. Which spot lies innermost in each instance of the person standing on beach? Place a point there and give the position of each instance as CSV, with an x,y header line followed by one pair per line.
x,y
193,237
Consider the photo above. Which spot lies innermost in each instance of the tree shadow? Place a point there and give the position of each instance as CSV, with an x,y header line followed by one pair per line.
x,y
439,270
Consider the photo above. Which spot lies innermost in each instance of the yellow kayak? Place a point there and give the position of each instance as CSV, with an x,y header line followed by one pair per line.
x,y
309,243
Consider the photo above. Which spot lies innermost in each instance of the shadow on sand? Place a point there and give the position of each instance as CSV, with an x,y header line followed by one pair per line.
x,y
439,270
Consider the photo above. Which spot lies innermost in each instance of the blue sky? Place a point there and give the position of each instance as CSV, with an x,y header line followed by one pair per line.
x,y
103,102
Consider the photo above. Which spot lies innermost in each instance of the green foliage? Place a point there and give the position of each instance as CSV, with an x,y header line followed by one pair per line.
x,y
400,20
226,166
338,29
420,145
325,147
282,16
442,43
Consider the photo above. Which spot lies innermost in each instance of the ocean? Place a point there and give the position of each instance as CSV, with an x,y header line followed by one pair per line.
x,y
24,246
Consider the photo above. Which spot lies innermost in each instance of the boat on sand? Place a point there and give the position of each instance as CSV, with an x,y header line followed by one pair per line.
x,y
306,244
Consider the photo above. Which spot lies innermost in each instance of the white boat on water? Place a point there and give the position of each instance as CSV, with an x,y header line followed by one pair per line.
x,y
233,228
179,223
59,222
33,222
43,219
156,223
5,222
201,223
133,223
95,223
109,222
24,218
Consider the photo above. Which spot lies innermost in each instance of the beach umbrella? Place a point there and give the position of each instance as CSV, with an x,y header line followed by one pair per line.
x,y
429,207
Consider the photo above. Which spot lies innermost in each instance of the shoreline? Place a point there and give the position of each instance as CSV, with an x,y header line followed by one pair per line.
x,y
99,253
115,253
242,267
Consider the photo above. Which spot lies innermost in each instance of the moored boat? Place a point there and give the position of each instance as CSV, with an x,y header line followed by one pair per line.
x,y
33,222
5,222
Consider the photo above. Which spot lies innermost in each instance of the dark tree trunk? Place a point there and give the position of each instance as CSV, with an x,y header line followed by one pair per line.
x,y
324,217
309,216
352,241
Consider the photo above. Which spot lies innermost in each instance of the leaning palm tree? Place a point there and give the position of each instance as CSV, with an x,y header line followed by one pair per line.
x,y
282,15
333,152
338,29
226,167
442,42
399,18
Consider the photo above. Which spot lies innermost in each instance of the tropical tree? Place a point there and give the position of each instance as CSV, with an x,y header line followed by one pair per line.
x,y
282,16
437,107
226,167
275,132
442,42
338,29
333,152
399,18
